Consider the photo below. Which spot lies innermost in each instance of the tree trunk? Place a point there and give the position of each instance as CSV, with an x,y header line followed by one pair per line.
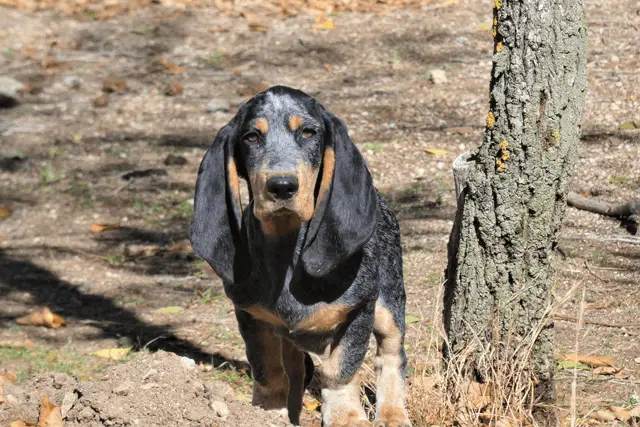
x,y
512,198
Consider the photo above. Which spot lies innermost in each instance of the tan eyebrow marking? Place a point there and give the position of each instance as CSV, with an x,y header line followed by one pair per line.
x,y
295,122
262,125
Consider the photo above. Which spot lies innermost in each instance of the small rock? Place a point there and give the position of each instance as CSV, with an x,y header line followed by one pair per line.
x,y
68,401
9,90
149,386
74,82
437,76
218,389
175,160
187,363
101,101
112,84
123,389
11,399
152,372
220,409
86,414
218,105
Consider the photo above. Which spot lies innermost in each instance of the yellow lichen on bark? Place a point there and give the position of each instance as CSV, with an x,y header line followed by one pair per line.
x,y
491,120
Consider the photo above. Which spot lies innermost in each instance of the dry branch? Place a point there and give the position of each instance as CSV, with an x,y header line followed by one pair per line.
x,y
627,213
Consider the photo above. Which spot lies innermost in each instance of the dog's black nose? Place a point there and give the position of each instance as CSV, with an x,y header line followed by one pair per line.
x,y
282,187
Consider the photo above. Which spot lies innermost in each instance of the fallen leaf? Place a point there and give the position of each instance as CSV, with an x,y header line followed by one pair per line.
x,y
17,345
99,228
173,88
141,251
22,424
171,67
603,415
42,317
205,368
628,126
4,212
593,361
8,376
328,67
478,396
605,370
170,310
324,24
50,414
621,413
409,319
311,404
101,101
258,27
435,151
572,364
112,84
112,353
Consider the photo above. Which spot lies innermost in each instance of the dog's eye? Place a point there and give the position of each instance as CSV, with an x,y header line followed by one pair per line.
x,y
308,133
252,137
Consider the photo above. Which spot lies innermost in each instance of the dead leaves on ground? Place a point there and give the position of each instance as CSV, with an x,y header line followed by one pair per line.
x,y
112,353
6,376
99,228
282,9
50,416
597,365
626,415
42,317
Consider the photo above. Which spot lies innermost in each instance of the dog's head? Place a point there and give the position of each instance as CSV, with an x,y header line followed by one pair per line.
x,y
301,167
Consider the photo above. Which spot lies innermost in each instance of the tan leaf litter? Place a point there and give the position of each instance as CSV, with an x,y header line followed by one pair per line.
x,y
592,361
603,415
42,317
171,67
112,353
605,370
50,414
621,413
99,228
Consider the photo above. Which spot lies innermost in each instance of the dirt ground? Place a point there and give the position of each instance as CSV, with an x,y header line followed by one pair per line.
x,y
67,145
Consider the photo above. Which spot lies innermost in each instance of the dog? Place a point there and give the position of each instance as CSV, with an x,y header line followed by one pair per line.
x,y
313,264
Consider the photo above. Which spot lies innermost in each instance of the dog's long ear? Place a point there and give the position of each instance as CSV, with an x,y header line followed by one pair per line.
x,y
346,205
215,228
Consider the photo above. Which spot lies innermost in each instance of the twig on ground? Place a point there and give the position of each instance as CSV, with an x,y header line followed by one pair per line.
x,y
627,213
595,322
586,264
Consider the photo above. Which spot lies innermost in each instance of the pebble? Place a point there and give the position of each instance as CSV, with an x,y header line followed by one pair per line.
x,y
187,363
74,82
437,76
9,89
218,105
123,389
68,401
220,409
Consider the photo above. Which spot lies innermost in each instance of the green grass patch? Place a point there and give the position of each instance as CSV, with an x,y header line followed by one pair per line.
x,y
42,359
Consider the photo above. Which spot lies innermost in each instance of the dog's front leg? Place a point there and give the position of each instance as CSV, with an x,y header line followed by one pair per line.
x,y
342,406
264,352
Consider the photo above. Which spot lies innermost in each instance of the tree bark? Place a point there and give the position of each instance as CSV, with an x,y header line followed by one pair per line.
x,y
512,198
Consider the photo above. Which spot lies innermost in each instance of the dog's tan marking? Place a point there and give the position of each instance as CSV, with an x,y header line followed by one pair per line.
x,y
262,125
325,318
273,394
390,393
301,205
233,180
260,313
280,225
295,122
328,167
341,405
